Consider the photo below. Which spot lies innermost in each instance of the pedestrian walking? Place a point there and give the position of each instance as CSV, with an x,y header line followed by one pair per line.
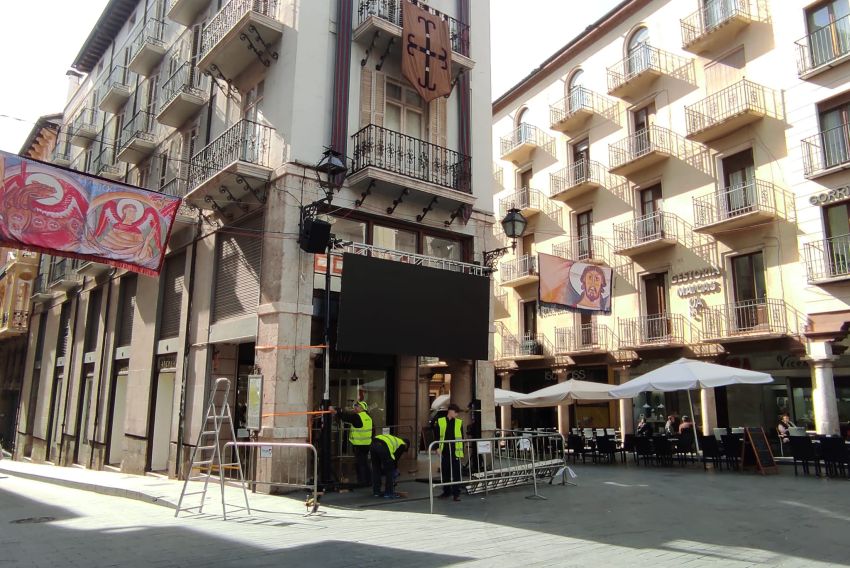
x,y
450,428
360,437
386,450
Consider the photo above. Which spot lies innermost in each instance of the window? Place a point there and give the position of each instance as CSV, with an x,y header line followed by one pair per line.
x,y
349,230
92,320
586,331
163,170
829,31
577,95
836,220
252,103
717,11
394,239
440,247
657,324
584,236
835,134
581,161
739,194
404,111
748,286
638,57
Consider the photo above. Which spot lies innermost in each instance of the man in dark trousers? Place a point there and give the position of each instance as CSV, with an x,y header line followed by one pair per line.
x,y
450,428
386,450
360,438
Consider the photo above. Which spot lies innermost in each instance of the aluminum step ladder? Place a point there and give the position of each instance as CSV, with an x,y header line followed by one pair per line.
x,y
207,455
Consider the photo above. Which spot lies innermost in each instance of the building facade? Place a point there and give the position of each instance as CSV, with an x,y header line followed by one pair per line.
x,y
230,106
698,149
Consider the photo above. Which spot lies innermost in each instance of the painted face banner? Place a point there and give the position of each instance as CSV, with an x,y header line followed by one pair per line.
x,y
47,209
574,284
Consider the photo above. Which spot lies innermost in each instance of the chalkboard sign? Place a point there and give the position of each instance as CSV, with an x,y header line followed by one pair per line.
x,y
755,451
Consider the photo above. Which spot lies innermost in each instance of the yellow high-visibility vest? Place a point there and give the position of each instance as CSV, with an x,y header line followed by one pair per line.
x,y
392,442
361,436
441,425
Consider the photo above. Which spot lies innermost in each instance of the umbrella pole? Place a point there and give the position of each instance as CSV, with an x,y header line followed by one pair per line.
x,y
694,418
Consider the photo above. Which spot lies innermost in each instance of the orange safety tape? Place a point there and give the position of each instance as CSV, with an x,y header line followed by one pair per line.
x,y
312,412
262,347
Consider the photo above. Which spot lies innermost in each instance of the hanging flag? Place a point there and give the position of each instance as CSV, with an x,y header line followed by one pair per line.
x,y
64,213
426,60
568,284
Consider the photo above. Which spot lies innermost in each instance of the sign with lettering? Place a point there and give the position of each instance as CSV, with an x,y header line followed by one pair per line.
x,y
484,447
255,402
265,451
689,275
320,264
827,197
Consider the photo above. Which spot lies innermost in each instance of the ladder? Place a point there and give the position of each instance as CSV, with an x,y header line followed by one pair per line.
x,y
207,453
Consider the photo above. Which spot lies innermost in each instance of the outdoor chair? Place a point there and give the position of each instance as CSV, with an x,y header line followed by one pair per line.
x,y
836,457
629,446
685,447
663,450
803,450
605,449
711,451
719,432
737,430
575,448
643,450
732,445
587,433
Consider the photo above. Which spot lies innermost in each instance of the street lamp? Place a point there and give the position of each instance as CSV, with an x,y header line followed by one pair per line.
x,y
514,225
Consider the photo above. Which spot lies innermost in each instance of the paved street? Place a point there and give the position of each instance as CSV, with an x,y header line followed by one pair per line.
x,y
617,516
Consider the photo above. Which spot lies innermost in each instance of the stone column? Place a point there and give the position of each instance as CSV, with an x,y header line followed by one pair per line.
x,y
563,409
823,387
485,381
709,411
627,415
506,410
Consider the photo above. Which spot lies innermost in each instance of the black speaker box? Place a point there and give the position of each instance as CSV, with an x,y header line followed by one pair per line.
x,y
315,235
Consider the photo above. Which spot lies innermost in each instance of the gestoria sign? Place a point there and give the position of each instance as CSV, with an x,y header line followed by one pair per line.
x,y
827,197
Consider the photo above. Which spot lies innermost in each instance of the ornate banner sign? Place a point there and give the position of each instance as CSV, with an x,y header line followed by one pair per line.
x,y
574,285
427,52
64,213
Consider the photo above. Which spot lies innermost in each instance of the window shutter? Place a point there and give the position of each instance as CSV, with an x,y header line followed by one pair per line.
x,y
64,330
365,97
437,122
128,311
238,259
380,98
172,297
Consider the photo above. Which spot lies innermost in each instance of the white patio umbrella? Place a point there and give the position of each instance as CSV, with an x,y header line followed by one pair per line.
x,y
503,398
688,374
566,392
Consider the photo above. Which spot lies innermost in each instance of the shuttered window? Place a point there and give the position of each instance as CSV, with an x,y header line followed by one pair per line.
x,y
172,296
127,310
92,319
238,258
64,330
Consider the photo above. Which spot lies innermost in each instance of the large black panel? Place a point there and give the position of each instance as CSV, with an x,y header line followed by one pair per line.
x,y
403,309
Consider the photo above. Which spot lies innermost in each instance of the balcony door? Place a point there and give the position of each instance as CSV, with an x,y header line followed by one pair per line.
x,y
650,226
835,135
715,12
739,194
524,195
748,286
577,96
584,235
251,137
404,111
657,324
829,31
638,56
641,121
586,335
581,161
837,246
530,345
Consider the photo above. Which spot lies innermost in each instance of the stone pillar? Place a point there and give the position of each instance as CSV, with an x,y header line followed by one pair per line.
x,y
563,409
823,387
485,382
627,415
506,410
461,393
708,406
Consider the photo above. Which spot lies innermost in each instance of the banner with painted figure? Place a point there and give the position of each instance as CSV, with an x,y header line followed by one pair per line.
x,y
427,52
48,209
574,285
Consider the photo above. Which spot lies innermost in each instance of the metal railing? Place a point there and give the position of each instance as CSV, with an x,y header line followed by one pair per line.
x,y
141,126
501,300
581,248
63,269
245,141
395,152
712,15
828,258
390,10
580,99
645,141
41,283
731,202
118,77
106,163
526,134
412,258
151,32
646,58
229,16
828,149
526,198
583,338
654,329
499,175
823,46
85,118
174,188
745,317
62,149
187,79
582,171
743,96
79,163
525,265
645,229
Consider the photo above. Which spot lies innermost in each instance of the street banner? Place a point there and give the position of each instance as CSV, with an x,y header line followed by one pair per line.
x,y
577,285
426,59
60,212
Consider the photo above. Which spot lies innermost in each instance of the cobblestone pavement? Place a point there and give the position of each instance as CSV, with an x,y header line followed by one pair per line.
x,y
617,516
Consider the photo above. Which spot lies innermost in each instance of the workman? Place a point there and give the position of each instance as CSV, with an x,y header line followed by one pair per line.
x,y
386,450
449,428
360,437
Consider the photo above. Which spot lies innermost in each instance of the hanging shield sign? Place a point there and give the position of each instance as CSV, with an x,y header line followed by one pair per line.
x,y
427,54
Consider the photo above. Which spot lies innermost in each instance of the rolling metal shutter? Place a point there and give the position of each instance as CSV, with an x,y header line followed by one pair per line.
x,y
127,311
64,330
238,258
172,297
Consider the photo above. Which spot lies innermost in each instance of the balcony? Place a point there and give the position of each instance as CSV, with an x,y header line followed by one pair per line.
x,y
115,90
746,320
715,24
84,128
241,32
379,25
576,180
528,347
148,48
63,275
183,95
644,148
185,12
633,75
500,306
584,339
519,145
652,332
138,138
92,269
573,111
823,49
826,152
21,262
530,202
519,271
828,260
14,322
232,166
40,290
735,207
61,155
727,111
389,160
105,165
592,250
186,214
645,234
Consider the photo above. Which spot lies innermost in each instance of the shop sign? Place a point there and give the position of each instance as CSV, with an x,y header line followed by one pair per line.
x,y
255,401
827,197
320,264
167,362
265,451
689,275
698,288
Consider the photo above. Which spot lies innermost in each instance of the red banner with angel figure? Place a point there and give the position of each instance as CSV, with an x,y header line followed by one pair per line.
x,y
64,213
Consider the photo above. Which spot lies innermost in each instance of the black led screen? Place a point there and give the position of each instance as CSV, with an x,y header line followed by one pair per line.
x,y
402,309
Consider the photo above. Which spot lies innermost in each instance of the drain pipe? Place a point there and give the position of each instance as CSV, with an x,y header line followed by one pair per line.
x,y
178,465
100,369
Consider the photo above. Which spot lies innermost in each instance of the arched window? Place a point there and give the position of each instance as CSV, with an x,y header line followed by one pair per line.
x,y
577,95
520,130
637,53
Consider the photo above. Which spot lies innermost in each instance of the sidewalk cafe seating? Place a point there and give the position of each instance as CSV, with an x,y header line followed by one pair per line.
x,y
605,449
836,457
576,447
663,450
629,446
685,447
719,433
711,450
803,450
732,445
644,450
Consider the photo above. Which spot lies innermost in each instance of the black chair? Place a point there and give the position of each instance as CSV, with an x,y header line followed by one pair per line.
x,y
732,446
629,446
803,450
643,449
836,457
605,449
663,449
711,450
685,447
575,447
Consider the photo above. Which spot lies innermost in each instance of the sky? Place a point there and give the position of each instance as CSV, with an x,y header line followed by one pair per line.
x,y
34,61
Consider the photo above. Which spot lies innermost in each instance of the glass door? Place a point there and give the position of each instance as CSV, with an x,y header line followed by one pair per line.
x,y
581,162
739,181
638,58
584,224
657,325
835,136
829,31
750,307
641,120
650,226
837,246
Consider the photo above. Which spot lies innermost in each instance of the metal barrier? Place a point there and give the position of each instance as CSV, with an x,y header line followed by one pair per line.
x,y
500,462
342,449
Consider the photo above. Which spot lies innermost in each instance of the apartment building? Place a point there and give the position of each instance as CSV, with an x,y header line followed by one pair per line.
x,y
699,149
231,106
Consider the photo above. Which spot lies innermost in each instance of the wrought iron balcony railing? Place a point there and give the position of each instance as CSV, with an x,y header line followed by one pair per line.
x,y
228,17
659,225
714,15
119,76
521,267
641,143
826,150
828,259
728,203
62,150
580,248
579,173
580,100
390,10
583,338
187,79
413,258
526,134
175,188
85,119
526,345
40,284
643,59
824,47
395,152
106,163
245,141
746,317
650,330
141,126
63,270
744,97
151,32
526,198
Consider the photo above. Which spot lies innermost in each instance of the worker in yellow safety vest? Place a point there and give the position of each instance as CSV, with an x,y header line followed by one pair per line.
x,y
450,428
360,437
386,450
